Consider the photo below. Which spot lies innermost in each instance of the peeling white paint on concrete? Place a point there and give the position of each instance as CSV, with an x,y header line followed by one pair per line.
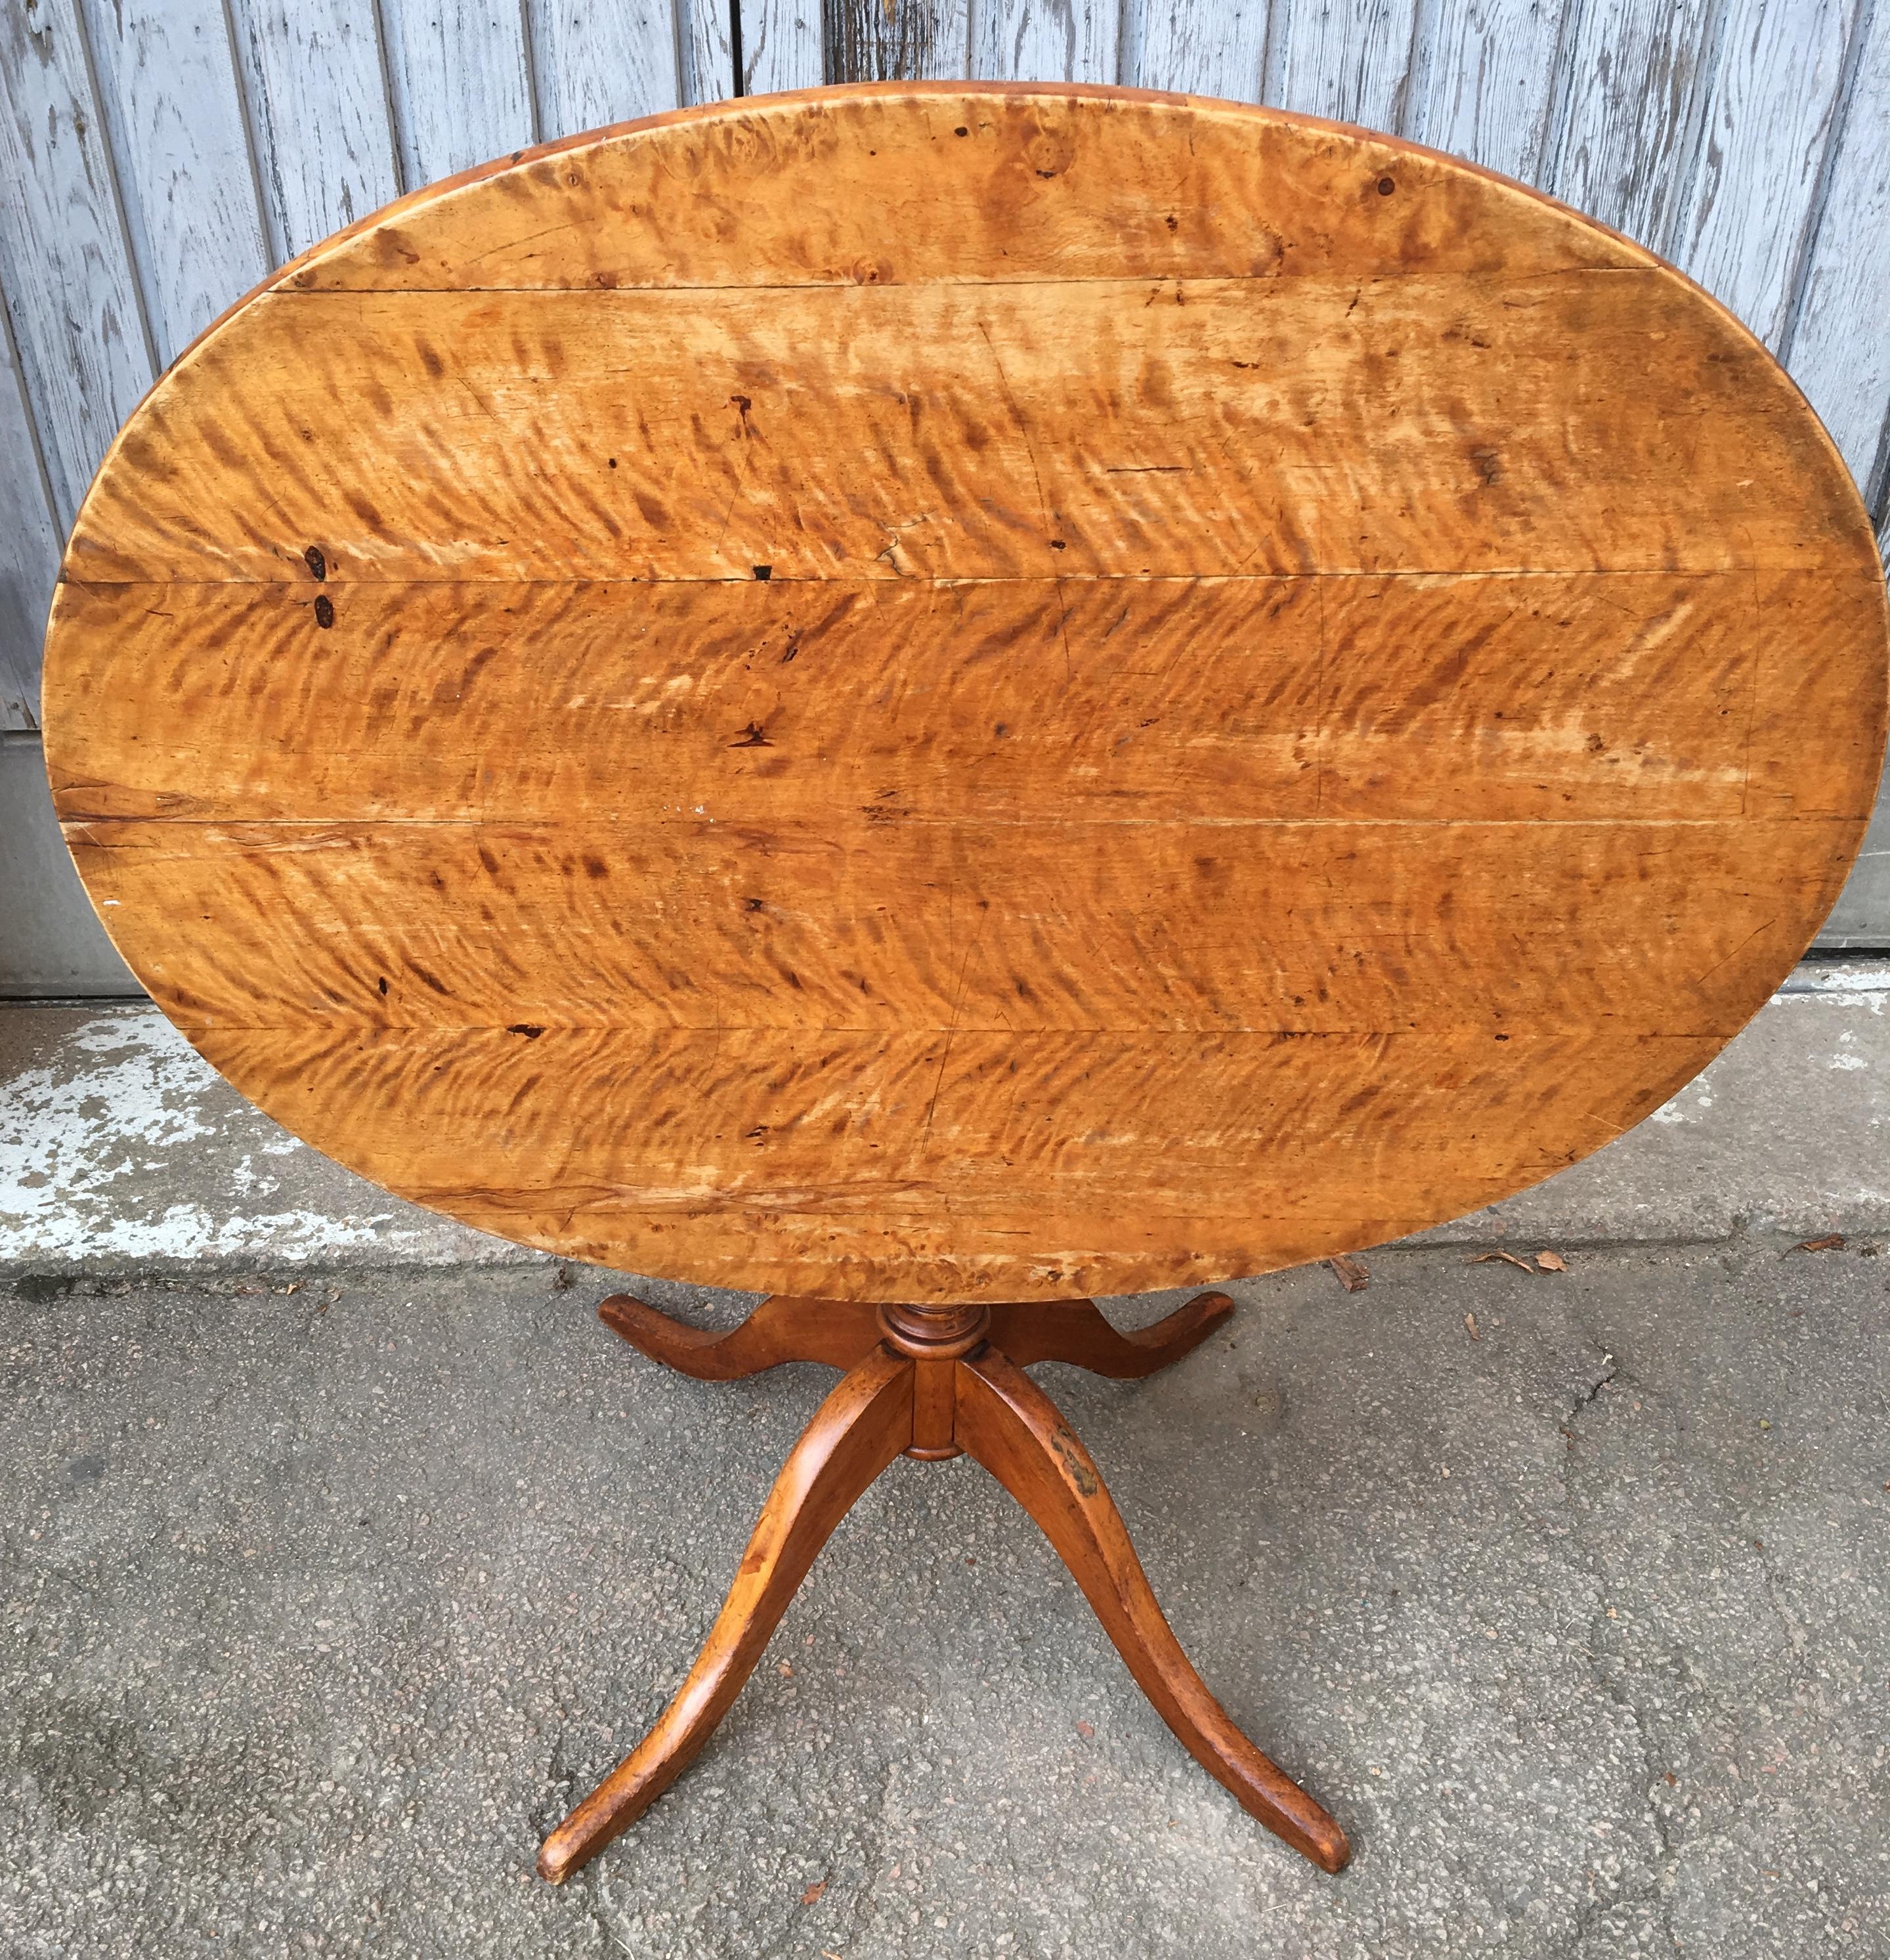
x,y
1848,1056
119,1146
1862,982
1691,1104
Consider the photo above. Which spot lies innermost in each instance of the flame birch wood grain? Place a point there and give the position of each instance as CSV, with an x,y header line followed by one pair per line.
x,y
791,697
1090,427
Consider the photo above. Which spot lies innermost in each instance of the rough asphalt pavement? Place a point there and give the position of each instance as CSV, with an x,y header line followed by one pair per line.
x,y
317,1608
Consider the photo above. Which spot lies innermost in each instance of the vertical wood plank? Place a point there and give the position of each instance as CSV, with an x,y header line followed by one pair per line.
x,y
1202,47
167,79
782,45
1861,918
1768,122
1634,76
461,77
65,262
896,40
1484,80
707,52
1349,59
1045,40
1839,350
319,108
1839,353
29,549
596,65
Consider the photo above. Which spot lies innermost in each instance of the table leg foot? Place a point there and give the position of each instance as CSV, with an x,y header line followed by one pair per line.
x,y
838,1332
1074,1330
1012,1428
862,1426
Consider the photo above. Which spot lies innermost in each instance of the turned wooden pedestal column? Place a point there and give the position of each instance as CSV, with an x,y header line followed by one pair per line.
x,y
934,1382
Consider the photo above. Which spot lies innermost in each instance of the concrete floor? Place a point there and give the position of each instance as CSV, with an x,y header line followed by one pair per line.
x,y
321,1605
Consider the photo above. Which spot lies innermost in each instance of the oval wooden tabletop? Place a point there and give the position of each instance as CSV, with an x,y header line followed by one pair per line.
x,y
927,692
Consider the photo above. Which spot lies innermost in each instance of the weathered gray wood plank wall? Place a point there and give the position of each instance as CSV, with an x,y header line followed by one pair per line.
x,y
159,156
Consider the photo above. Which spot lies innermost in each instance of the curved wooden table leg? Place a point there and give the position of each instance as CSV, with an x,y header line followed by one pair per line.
x,y
1012,1428
839,1332
1075,1331
861,1427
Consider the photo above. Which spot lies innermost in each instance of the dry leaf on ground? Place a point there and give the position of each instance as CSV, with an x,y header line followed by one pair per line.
x,y
1470,1323
811,1895
1354,1275
1551,1262
1484,1258
1834,1243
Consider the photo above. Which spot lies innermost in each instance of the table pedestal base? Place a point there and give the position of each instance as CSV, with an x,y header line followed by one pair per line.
x,y
934,1382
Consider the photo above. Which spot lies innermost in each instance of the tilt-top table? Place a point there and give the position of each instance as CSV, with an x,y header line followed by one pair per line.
x,y
958,697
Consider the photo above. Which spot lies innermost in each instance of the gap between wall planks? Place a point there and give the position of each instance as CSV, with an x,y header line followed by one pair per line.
x,y
171,150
